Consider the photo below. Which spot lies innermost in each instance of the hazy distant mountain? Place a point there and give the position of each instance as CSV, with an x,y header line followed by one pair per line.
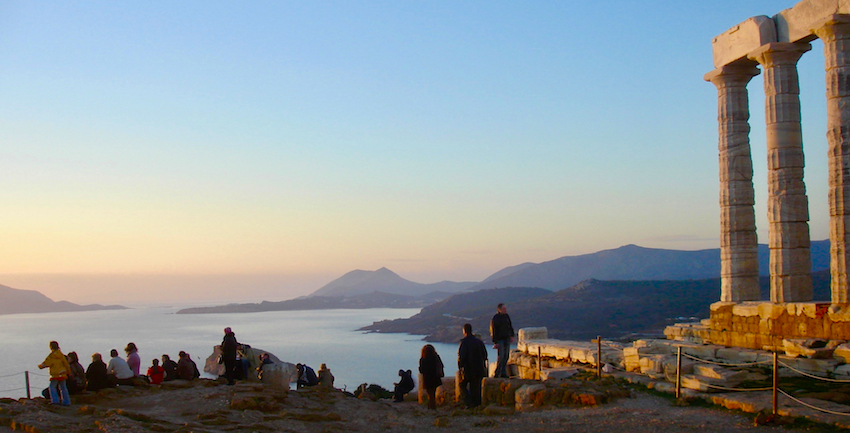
x,y
630,262
384,280
14,301
366,300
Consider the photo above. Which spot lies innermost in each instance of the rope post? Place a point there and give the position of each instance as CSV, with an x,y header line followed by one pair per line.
x,y
27,380
678,371
775,379
599,356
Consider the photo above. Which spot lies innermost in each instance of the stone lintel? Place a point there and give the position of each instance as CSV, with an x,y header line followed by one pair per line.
x,y
797,24
734,44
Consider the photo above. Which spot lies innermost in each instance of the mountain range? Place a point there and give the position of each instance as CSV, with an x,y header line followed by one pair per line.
x,y
612,309
370,289
14,301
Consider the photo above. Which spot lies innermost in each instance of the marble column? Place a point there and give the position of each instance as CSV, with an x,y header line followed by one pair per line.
x,y
835,34
739,266
787,204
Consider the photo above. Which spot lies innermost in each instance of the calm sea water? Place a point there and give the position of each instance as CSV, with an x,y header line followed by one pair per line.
x,y
311,337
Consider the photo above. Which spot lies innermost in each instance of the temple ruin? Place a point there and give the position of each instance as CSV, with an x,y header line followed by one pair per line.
x,y
772,46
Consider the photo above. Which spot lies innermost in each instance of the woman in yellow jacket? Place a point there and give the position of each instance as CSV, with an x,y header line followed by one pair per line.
x,y
59,371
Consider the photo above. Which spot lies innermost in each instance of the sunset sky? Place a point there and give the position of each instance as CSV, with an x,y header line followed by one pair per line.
x,y
208,151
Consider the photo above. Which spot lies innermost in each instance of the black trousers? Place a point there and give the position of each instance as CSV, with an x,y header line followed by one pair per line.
x,y
470,387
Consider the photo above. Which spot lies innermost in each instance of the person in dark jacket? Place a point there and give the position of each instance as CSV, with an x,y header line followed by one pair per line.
x,y
170,368
96,377
229,347
502,332
306,376
404,386
431,368
186,368
472,364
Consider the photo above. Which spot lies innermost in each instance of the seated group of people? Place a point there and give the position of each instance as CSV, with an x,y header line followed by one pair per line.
x,y
307,376
119,371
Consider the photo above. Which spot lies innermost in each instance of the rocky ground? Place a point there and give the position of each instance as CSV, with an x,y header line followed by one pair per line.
x,y
207,406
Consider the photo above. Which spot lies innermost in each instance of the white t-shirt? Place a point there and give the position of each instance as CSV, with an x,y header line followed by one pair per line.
x,y
119,368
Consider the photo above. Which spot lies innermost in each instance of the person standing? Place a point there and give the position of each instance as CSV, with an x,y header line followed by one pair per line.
x,y
471,362
59,371
431,367
502,332
229,347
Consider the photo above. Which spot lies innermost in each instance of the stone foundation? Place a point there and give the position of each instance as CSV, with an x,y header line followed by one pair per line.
x,y
764,325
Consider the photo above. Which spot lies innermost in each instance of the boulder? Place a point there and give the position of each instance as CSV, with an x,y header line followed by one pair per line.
x,y
211,365
525,396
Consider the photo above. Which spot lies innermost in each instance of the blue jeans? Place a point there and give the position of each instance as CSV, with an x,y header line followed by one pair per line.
x,y
502,360
57,387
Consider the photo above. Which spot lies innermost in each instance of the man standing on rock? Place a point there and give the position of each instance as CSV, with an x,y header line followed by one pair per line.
x,y
471,363
502,332
229,346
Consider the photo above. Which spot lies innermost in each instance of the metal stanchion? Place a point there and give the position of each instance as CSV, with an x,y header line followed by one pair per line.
x,y
599,356
678,371
27,379
775,379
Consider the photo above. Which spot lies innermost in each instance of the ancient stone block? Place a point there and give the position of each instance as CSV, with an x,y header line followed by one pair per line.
x,y
735,43
539,333
797,23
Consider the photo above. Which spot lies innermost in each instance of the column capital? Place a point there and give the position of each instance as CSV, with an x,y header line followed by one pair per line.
x,y
737,73
779,53
833,27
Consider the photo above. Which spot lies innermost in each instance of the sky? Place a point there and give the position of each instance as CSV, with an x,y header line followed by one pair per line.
x,y
238,151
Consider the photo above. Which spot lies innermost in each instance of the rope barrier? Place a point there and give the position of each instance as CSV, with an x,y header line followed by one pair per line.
x,y
38,374
10,375
737,389
813,407
745,364
826,379
13,389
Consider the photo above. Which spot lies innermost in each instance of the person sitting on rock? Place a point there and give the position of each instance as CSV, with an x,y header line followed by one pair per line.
x,y
264,360
404,386
96,376
186,368
133,359
118,371
170,368
326,379
306,376
77,380
156,373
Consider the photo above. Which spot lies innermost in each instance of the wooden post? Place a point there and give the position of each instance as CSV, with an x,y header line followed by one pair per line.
x,y
678,371
775,379
598,342
27,379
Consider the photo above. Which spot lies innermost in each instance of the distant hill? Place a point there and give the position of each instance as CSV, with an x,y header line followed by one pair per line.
x,y
366,300
15,301
360,282
613,309
630,262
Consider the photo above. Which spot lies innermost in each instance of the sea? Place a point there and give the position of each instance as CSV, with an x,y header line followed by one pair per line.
x,y
309,337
